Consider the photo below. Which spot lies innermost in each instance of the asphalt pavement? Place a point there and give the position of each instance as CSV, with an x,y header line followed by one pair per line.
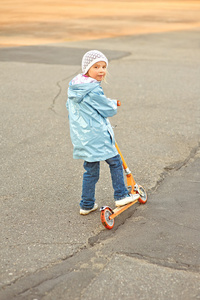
x,y
49,251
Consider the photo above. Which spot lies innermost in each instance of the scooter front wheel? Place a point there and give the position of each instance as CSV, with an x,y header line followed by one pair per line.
x,y
143,194
105,214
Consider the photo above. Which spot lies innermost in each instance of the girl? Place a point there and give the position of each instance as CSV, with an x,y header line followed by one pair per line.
x,y
91,132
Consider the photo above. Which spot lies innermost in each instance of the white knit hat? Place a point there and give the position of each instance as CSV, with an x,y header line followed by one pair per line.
x,y
92,57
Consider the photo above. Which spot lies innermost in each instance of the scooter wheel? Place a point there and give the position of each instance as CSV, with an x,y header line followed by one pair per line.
x,y
143,194
105,214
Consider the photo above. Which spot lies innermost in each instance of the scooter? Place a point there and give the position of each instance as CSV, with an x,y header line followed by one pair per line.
x,y
107,214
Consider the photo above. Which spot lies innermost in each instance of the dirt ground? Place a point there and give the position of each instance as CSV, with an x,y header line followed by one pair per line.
x,y
49,21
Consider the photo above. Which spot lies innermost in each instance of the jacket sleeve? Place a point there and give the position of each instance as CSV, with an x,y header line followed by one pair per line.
x,y
105,106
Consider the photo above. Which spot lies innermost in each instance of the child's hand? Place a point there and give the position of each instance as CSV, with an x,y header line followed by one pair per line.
x,y
118,103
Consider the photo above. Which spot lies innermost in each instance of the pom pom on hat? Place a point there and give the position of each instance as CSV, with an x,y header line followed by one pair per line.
x,y
92,57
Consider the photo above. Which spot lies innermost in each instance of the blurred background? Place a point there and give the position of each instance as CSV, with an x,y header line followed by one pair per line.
x,y
30,22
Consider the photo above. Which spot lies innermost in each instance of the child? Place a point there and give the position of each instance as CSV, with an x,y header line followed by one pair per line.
x,y
91,132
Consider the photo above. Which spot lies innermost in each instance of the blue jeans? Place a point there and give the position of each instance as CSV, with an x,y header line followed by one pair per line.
x,y
91,176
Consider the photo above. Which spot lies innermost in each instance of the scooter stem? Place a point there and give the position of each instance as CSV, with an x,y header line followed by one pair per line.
x,y
123,160
130,180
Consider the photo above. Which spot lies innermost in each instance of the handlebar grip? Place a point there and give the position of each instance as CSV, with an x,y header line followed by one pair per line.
x,y
118,103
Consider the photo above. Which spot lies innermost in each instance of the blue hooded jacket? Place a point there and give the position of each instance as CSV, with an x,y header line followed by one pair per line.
x,y
90,130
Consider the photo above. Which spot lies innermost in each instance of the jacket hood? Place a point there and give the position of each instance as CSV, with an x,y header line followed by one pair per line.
x,y
76,92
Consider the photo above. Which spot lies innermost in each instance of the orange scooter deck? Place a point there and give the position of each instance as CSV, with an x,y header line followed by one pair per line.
x,y
120,209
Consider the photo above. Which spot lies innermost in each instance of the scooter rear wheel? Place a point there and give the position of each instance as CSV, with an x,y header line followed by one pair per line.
x,y
105,214
143,194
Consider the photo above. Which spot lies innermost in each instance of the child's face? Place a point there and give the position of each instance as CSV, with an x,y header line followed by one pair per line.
x,y
97,71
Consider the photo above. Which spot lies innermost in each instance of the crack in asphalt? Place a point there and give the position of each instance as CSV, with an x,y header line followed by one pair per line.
x,y
59,85
178,224
174,167
167,263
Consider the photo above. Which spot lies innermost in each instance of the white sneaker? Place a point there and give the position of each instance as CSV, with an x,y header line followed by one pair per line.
x,y
128,199
87,211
